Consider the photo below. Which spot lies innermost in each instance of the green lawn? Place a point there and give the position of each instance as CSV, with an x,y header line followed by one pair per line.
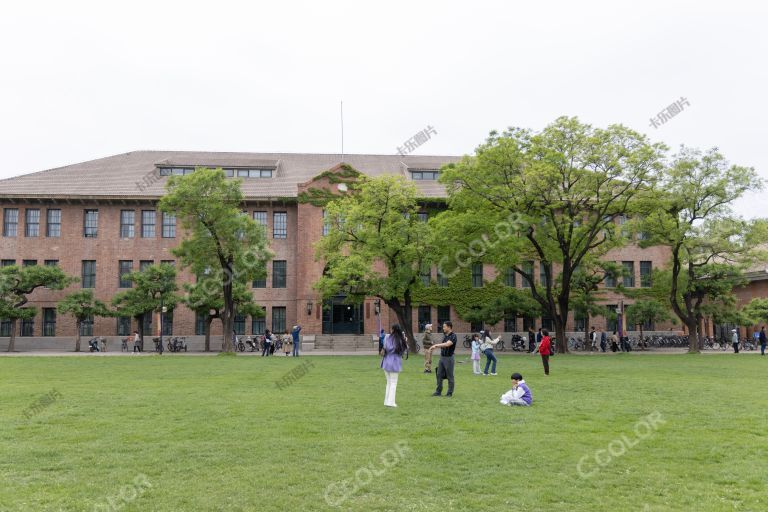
x,y
176,433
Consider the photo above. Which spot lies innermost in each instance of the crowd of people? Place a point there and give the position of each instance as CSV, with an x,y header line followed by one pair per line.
x,y
392,346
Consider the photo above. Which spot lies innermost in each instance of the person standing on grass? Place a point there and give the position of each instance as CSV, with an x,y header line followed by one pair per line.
x,y
267,343
446,364
296,339
426,342
487,349
136,341
544,350
593,339
603,340
531,340
392,362
762,339
735,340
476,354
287,342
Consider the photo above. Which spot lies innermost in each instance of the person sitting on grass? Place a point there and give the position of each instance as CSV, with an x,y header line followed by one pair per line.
x,y
520,394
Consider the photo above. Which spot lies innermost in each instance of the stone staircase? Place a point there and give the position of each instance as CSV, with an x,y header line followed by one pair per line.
x,y
346,343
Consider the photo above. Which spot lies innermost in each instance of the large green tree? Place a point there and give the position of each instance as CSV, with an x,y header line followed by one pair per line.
x,y
221,241
17,283
757,310
153,288
205,297
376,246
553,198
82,305
647,311
710,247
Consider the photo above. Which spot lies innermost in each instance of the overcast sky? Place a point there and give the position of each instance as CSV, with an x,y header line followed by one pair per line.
x,y
83,80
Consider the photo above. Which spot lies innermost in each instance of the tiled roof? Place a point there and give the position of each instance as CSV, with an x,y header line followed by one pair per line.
x,y
135,175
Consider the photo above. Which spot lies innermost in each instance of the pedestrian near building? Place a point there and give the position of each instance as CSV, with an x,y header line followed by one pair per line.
x,y
476,354
392,362
593,339
762,339
735,340
295,334
487,349
137,342
603,340
446,364
426,342
544,350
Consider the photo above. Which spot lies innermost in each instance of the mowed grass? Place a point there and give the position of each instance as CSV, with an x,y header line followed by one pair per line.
x,y
215,433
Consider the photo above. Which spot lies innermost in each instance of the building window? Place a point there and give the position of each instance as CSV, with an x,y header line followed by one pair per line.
x,y
127,223
27,327
10,221
278,319
249,173
610,280
168,323
546,323
260,283
147,320
579,320
422,216
261,218
425,316
148,223
200,319
91,223
88,274
51,263
32,224
426,275
258,325
442,281
169,225
476,326
612,319
28,263
176,171
510,322
543,270
86,326
477,275
145,264
7,263
528,269
629,273
5,327
443,315
239,324
124,267
425,175
646,268
622,219
171,263
279,268
280,225
53,225
326,224
123,326
509,278
49,321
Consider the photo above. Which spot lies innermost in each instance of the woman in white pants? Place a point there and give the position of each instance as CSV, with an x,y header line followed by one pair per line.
x,y
392,362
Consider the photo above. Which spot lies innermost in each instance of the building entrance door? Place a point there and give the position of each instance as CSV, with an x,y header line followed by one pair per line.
x,y
341,318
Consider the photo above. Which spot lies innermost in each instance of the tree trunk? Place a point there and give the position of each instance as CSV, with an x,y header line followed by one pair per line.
x,y
561,345
587,341
12,340
693,338
208,321
404,317
77,336
640,341
140,320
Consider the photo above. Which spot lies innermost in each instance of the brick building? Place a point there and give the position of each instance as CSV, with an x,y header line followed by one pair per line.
x,y
99,219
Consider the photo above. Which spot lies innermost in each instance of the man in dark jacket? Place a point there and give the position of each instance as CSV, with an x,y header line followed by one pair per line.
x,y
762,339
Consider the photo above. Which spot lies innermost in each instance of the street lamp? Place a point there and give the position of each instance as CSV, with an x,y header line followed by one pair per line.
x,y
309,308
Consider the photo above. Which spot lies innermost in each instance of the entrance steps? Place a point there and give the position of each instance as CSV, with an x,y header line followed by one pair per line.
x,y
346,342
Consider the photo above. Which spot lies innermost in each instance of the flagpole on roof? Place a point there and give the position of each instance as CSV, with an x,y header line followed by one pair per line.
x,y
341,105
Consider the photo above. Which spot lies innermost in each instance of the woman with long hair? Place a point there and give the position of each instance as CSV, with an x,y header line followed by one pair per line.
x,y
392,362
487,349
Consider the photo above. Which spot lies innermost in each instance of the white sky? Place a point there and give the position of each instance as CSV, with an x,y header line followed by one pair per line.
x,y
81,80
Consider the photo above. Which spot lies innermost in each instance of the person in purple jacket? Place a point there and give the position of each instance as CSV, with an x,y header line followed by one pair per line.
x,y
520,394
392,362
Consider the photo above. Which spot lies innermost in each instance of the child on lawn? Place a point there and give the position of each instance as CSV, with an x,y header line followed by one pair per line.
x,y
520,394
476,354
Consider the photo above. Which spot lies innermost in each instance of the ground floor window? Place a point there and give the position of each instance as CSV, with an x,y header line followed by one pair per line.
x,y
27,327
123,326
278,319
86,326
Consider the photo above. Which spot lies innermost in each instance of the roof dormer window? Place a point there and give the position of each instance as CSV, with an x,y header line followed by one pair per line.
x,y
425,175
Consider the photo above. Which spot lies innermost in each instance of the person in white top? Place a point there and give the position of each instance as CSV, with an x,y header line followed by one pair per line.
x,y
487,349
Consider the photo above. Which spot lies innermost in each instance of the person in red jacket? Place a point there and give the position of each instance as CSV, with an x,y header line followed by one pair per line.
x,y
544,349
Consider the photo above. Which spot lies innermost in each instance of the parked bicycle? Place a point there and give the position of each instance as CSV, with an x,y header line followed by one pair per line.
x,y
517,343
177,344
252,343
